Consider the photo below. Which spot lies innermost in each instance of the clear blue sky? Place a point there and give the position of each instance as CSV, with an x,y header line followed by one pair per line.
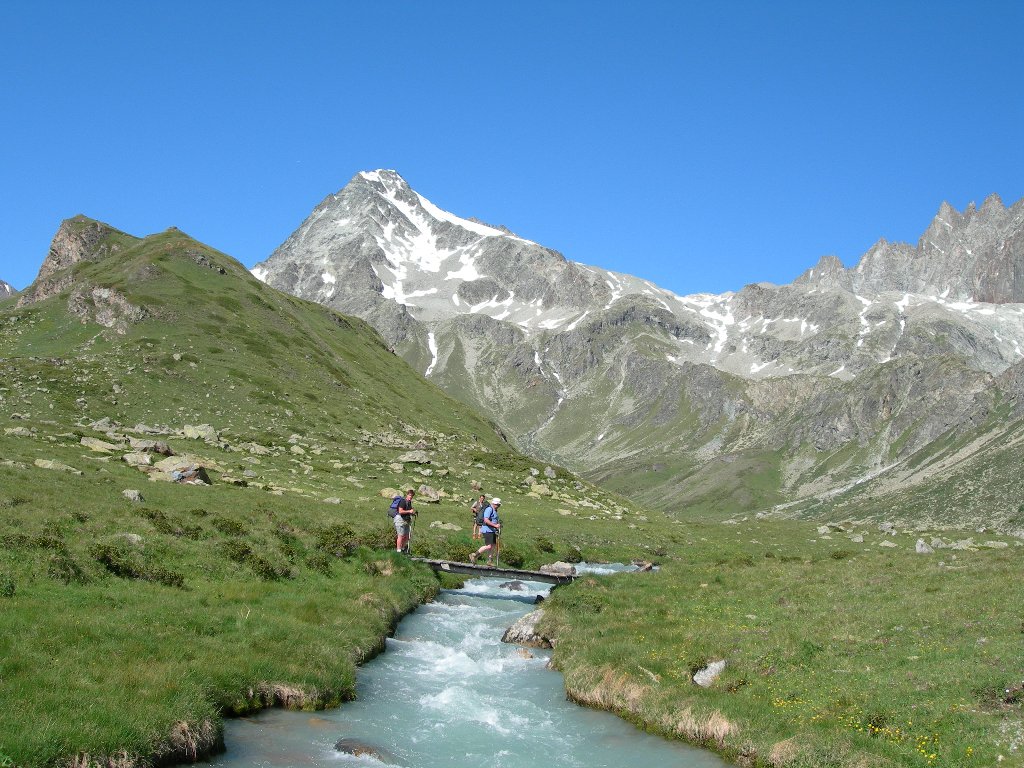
x,y
700,145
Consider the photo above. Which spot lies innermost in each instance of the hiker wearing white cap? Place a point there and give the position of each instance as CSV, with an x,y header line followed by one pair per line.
x,y
490,528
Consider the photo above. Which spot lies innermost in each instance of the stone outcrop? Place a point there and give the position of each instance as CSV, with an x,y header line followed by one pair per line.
x,y
524,632
77,239
106,307
559,569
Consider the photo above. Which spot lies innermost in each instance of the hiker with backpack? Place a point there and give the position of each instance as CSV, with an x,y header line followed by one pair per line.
x,y
402,511
478,509
490,527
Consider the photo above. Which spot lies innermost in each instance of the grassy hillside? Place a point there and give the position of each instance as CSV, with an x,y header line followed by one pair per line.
x,y
129,628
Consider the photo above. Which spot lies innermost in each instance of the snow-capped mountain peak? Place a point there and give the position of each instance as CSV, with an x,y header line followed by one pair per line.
x,y
380,249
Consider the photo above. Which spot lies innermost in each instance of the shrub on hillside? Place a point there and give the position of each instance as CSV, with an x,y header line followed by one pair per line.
x,y
228,526
262,565
63,568
171,527
338,540
119,558
320,563
571,556
122,560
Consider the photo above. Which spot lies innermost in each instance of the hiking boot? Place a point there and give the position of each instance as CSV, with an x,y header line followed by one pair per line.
x,y
472,558
490,563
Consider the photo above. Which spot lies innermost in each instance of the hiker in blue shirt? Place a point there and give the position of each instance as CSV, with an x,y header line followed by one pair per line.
x,y
490,529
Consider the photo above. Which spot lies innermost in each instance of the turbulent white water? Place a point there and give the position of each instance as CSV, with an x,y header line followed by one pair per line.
x,y
448,692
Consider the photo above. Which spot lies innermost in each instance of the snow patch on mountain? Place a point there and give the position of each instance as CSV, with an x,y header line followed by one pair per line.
x,y
432,346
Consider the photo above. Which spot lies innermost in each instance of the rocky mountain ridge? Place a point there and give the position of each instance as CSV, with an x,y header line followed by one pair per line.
x,y
6,290
807,387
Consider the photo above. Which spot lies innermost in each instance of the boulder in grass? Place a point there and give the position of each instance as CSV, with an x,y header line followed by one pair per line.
x,y
184,469
200,432
132,495
187,458
52,464
922,548
137,459
255,448
706,676
445,526
101,446
559,569
414,457
150,446
192,474
428,494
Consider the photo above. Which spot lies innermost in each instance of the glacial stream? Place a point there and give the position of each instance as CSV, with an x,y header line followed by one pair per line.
x,y
448,692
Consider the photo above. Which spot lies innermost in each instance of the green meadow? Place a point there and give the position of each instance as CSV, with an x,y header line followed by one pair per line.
x,y
837,653
130,629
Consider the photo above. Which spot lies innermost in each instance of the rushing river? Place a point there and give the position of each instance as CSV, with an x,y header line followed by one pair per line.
x,y
448,692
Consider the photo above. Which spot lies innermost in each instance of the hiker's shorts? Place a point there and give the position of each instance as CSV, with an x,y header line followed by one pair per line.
x,y
401,526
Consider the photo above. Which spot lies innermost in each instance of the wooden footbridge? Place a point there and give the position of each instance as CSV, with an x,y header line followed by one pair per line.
x,y
486,571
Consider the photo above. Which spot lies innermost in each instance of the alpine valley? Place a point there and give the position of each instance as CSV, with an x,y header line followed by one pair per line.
x,y
887,390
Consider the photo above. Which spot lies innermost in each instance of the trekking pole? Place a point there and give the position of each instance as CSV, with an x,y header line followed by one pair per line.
x,y
497,549
408,544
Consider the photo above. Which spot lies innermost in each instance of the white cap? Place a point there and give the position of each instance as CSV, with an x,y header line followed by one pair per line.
x,y
495,500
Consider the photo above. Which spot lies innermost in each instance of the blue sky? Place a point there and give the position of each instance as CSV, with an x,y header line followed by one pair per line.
x,y
702,146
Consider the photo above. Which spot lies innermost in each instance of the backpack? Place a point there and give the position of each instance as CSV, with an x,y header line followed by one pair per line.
x,y
480,520
393,509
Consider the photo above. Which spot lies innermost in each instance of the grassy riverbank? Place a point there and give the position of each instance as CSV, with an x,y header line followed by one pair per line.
x,y
129,629
837,653
114,645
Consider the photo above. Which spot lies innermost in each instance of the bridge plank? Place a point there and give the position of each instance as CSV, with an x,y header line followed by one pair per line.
x,y
468,569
